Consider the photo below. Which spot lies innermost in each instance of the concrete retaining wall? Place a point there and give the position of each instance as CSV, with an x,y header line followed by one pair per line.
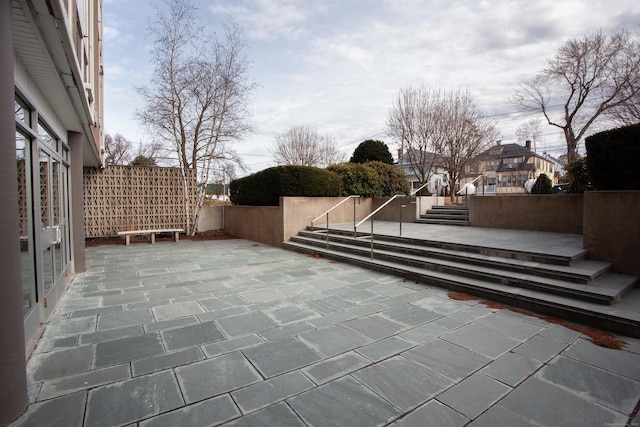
x,y
612,228
557,213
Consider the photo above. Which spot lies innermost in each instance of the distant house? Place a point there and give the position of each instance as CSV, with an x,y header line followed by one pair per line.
x,y
506,167
437,176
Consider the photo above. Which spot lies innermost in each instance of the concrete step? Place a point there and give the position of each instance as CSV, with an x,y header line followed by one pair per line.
x,y
591,313
464,248
574,270
607,289
462,222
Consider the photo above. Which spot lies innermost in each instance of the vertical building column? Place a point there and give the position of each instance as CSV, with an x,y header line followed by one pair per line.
x,y
13,375
77,202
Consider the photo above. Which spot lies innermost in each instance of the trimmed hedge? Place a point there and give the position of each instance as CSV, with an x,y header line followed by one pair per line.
x,y
372,179
265,188
613,158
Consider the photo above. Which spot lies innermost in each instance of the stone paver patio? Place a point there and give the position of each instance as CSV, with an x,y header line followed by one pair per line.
x,y
232,332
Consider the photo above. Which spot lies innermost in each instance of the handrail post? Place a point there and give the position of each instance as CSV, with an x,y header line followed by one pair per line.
x,y
371,237
327,231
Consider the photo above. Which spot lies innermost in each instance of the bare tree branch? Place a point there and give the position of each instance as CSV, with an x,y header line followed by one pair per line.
x,y
197,103
303,145
590,76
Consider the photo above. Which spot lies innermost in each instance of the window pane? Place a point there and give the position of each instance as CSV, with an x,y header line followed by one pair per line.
x,y
47,137
29,296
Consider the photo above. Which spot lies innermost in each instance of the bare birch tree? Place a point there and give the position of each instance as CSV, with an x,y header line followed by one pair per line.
x,y
439,128
587,77
197,103
413,122
464,132
305,146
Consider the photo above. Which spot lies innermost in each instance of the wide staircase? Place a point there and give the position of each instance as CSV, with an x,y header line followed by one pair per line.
x,y
570,287
446,215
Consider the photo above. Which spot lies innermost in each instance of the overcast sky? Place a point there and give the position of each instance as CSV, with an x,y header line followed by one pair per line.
x,y
337,65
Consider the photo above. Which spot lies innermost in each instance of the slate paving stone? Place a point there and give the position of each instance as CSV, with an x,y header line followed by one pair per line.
x,y
328,305
366,309
410,315
232,344
272,391
84,381
133,400
173,311
499,416
434,414
375,327
481,340
245,324
619,361
385,348
261,295
94,311
111,334
67,411
213,377
447,359
124,298
291,314
463,317
164,361
560,333
58,364
612,390
343,402
425,333
403,382
202,414
509,326
442,305
555,406
127,349
169,324
288,331
331,319
221,314
121,319
334,340
275,358
192,335
511,368
540,348
474,395
335,367
279,415
213,304
65,327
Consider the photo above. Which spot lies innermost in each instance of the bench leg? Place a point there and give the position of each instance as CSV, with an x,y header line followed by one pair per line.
x,y
127,240
153,238
176,236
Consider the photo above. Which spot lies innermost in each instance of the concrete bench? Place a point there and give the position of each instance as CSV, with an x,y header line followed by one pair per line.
x,y
127,234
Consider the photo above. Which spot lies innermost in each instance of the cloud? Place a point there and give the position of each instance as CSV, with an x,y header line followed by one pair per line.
x,y
265,19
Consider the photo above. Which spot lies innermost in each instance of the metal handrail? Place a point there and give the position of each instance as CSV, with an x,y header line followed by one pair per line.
x,y
377,210
327,212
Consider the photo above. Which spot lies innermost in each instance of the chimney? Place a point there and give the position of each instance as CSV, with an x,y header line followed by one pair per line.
x,y
527,144
498,142
399,154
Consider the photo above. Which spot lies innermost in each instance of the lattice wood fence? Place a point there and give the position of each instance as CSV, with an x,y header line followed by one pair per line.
x,y
119,198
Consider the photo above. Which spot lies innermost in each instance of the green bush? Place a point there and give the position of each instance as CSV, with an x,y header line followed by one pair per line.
x,y
542,185
612,159
358,178
265,188
372,151
372,179
392,179
577,177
